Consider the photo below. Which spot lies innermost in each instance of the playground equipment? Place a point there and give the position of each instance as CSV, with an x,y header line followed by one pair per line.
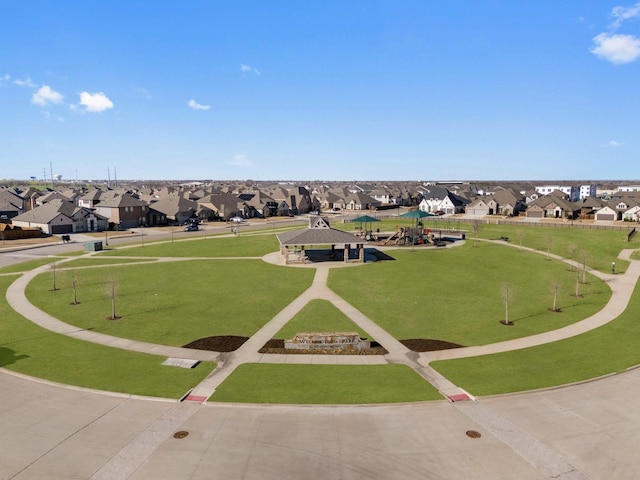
x,y
411,236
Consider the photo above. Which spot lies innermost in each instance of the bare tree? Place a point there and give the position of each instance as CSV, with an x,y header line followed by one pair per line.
x,y
112,290
555,288
577,294
573,250
584,267
520,236
506,293
74,286
53,270
475,225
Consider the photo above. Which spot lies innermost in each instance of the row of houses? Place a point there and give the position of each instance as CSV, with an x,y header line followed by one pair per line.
x,y
70,210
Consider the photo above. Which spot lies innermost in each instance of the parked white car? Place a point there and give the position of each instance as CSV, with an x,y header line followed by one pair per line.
x,y
237,219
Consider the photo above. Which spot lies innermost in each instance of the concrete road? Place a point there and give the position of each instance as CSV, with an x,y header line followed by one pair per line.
x,y
587,431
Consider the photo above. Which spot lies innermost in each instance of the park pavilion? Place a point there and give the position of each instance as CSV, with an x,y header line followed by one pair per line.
x,y
295,246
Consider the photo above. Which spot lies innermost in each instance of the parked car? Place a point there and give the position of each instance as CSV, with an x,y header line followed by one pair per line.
x,y
191,228
237,219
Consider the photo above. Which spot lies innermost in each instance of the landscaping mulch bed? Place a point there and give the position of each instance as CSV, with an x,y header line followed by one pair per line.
x,y
220,343
428,344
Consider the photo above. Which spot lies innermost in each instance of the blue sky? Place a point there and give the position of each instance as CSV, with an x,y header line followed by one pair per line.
x,y
335,90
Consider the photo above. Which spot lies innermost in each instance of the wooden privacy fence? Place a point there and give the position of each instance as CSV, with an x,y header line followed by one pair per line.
x,y
9,232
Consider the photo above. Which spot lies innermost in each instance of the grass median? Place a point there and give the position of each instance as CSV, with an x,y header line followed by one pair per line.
x,y
31,350
324,384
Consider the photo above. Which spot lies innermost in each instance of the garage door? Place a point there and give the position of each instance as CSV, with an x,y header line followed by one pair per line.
x,y
57,229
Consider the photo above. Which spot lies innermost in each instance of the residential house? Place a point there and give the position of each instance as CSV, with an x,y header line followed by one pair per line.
x,y
360,201
383,195
632,214
554,205
452,204
123,210
61,216
176,209
477,208
605,214
11,204
589,206
506,202
218,205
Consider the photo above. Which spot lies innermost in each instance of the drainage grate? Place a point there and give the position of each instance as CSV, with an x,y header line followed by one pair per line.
x,y
180,434
473,434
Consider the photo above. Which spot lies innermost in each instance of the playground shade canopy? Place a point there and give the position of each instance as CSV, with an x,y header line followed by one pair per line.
x,y
365,219
416,214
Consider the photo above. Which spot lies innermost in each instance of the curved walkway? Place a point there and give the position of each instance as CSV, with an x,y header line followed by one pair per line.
x,y
622,286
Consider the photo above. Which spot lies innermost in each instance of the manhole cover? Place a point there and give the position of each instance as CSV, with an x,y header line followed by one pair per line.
x,y
473,434
180,434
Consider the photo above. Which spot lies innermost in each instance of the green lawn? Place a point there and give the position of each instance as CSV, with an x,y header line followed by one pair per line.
x,y
28,349
598,246
322,317
241,246
608,349
324,384
28,265
173,303
456,295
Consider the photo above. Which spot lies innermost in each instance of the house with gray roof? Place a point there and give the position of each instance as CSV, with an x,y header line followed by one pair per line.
x,y
123,210
61,216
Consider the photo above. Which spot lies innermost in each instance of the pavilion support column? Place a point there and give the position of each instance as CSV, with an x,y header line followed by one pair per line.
x,y
302,254
346,252
361,252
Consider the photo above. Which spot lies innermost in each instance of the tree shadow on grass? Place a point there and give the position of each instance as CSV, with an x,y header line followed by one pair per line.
x,y
8,356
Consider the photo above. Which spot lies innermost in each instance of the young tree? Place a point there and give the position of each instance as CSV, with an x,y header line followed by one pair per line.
x,y
555,288
577,294
74,286
506,293
475,225
111,294
584,267
53,270
520,234
573,250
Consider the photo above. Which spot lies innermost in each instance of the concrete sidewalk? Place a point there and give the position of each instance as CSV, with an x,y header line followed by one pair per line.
x,y
622,286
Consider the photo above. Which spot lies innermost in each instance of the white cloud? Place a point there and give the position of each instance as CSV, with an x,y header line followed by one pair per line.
x,y
614,144
616,48
622,14
95,102
5,79
196,106
246,69
25,83
241,160
46,95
